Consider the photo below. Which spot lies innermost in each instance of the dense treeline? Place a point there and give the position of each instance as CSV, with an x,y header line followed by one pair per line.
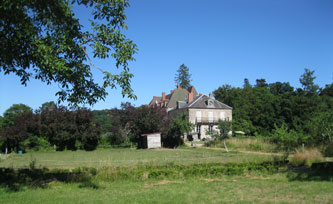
x,y
129,122
50,126
266,108
285,115
59,127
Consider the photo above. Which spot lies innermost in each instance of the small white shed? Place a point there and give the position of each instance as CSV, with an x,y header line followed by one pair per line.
x,y
151,140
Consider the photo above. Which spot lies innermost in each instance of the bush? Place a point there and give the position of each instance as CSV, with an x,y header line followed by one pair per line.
x,y
306,158
255,147
328,151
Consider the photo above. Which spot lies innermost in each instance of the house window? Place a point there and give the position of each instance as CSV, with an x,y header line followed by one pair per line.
x,y
210,103
210,117
222,115
198,116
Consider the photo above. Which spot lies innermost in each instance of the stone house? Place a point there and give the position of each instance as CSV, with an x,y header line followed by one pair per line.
x,y
169,101
204,111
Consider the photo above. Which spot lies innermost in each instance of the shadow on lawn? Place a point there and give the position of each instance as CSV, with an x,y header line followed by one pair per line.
x,y
318,172
15,180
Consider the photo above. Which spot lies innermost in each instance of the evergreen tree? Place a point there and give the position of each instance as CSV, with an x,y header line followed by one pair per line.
x,y
246,83
183,77
261,83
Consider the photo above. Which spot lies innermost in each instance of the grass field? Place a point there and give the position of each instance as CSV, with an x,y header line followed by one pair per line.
x,y
126,157
225,189
194,186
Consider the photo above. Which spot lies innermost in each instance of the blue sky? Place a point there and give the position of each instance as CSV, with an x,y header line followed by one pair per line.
x,y
221,41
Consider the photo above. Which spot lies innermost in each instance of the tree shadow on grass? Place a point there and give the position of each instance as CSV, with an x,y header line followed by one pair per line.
x,y
322,171
14,180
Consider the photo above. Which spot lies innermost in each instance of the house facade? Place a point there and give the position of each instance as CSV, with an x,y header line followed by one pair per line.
x,y
203,111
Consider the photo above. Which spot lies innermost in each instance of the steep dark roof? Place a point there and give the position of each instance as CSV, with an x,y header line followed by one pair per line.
x,y
201,102
177,95
155,98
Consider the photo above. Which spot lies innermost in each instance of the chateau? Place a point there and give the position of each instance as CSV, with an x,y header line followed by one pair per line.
x,y
204,111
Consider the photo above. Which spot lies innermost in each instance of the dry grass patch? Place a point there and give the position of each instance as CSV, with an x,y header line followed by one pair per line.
x,y
163,182
209,180
306,158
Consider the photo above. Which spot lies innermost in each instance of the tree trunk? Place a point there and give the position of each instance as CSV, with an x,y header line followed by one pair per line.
x,y
225,146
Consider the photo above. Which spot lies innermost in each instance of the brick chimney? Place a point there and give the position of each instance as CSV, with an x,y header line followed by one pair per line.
x,y
163,96
178,86
211,95
190,97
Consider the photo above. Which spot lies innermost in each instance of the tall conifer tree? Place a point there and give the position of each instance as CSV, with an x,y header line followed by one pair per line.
x,y
183,77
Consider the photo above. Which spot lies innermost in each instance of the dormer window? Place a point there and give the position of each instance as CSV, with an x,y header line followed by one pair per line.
x,y
210,103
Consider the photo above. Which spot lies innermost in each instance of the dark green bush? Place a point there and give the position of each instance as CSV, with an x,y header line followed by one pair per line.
x,y
328,151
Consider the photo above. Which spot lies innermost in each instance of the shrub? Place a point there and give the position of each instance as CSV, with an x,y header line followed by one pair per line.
x,y
328,151
306,158
255,147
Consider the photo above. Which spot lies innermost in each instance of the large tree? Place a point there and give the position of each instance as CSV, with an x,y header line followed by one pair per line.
x,y
46,41
183,77
307,81
13,112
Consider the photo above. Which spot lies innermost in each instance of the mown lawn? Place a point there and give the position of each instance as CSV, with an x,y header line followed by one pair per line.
x,y
126,157
225,189
57,178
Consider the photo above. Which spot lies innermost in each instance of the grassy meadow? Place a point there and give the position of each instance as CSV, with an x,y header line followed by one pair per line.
x,y
184,175
126,157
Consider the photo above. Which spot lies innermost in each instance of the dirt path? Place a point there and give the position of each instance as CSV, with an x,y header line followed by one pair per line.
x,y
246,152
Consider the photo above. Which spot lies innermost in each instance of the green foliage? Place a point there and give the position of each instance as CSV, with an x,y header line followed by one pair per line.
x,y
14,135
307,81
287,140
321,127
50,125
46,41
128,123
328,150
175,134
225,127
261,83
224,130
1,122
256,110
246,83
183,77
327,91
244,125
149,120
13,112
69,129
36,143
103,117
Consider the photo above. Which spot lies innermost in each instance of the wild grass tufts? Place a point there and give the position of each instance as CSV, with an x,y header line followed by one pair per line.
x,y
306,158
246,144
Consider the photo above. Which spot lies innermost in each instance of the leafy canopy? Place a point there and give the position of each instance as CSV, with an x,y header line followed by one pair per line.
x,y
307,81
13,112
44,40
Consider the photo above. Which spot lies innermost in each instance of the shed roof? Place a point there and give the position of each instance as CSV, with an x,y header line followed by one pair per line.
x,y
150,134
